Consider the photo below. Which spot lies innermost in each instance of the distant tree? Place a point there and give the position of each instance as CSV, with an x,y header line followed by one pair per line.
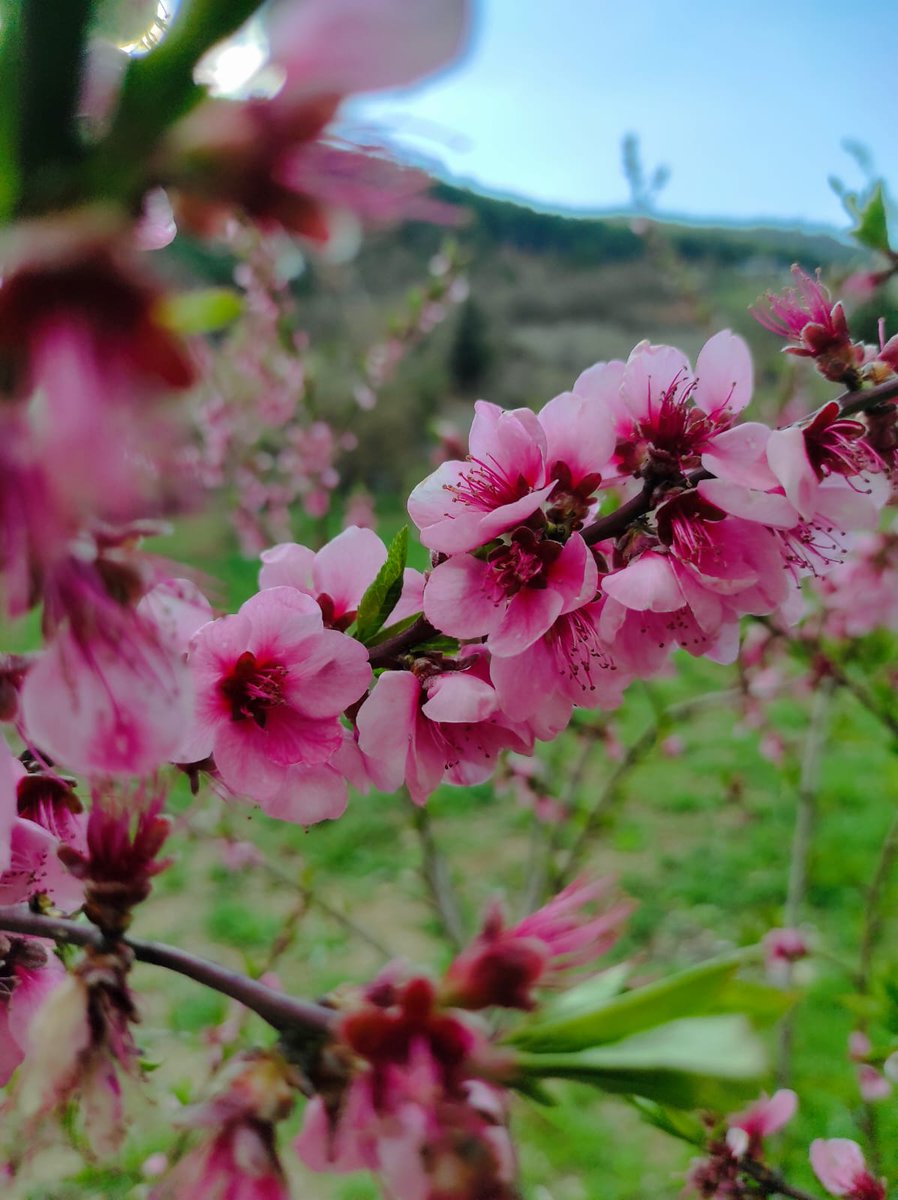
x,y
471,353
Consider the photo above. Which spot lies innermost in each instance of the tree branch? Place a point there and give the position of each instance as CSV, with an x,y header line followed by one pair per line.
x,y
281,1011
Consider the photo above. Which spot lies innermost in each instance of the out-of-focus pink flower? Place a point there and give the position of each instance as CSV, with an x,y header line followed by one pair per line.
x,y
28,973
413,1108
108,709
784,946
238,1158
839,1165
335,47
872,1084
747,1130
502,966
423,727
271,682
80,1044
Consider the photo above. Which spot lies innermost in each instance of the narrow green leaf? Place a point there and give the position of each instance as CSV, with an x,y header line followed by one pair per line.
x,y
203,310
872,225
693,992
700,1062
10,62
383,593
684,1126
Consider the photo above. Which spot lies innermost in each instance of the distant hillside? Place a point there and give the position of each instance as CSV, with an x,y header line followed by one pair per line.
x,y
550,295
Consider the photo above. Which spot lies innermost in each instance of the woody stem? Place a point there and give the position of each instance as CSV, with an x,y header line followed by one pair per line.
x,y
281,1011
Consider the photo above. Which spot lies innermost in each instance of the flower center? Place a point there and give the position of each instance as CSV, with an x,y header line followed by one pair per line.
x,y
834,444
523,562
251,688
486,486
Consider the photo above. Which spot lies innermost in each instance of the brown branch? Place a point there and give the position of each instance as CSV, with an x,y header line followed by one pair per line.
x,y
403,642
281,1011
771,1182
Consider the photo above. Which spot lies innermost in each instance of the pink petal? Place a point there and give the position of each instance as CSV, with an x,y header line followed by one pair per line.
x,y
111,714
386,725
739,455
648,584
456,696
458,600
724,374
335,47
837,1163
767,508
528,616
287,565
788,460
347,565
308,795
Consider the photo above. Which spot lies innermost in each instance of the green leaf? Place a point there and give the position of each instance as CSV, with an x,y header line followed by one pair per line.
x,y
10,62
203,310
684,1126
697,1062
698,990
383,594
872,226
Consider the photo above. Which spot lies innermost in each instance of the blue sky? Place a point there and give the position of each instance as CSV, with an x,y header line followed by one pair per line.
x,y
747,103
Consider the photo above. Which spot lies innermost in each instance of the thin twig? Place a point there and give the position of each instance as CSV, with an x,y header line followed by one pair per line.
x,y
435,874
772,1183
633,755
806,804
281,1011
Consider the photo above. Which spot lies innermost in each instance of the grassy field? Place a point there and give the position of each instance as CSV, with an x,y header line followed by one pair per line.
x,y
698,832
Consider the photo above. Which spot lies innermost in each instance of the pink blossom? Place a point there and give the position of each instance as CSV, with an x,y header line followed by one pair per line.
x,y
515,595
839,1165
49,818
108,709
271,682
502,965
238,1157
570,662
768,1115
80,1044
334,47
784,946
29,971
422,728
413,1110
663,413
872,1084
338,575
463,505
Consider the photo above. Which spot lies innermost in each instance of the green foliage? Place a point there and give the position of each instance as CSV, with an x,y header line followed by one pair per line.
x,y
695,1062
872,228
382,595
204,310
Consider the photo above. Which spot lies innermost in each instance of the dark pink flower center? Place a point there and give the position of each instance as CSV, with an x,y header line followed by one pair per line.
x,y
524,562
671,437
686,525
835,445
487,486
252,687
